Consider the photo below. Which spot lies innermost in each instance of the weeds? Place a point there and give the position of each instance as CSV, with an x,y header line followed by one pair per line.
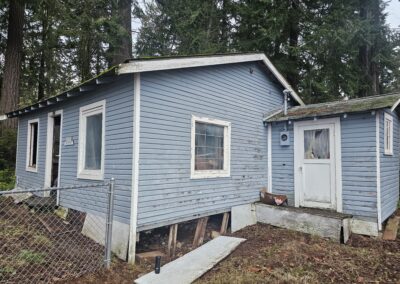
x,y
31,256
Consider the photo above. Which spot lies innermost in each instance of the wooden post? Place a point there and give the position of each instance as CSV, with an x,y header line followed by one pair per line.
x,y
173,233
224,225
200,231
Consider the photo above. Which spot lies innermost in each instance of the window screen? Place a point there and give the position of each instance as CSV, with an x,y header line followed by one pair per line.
x,y
93,145
209,147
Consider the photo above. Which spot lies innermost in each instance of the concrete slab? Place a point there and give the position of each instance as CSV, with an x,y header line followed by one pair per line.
x,y
194,264
363,227
243,216
94,227
327,226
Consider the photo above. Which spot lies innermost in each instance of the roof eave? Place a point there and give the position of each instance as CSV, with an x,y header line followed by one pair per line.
x,y
179,63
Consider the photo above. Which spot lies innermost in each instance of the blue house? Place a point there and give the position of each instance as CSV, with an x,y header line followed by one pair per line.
x,y
188,137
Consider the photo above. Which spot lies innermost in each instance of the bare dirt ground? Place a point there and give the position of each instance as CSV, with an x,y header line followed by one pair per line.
x,y
29,253
273,255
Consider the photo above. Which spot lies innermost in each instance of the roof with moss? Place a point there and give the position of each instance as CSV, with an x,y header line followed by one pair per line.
x,y
337,107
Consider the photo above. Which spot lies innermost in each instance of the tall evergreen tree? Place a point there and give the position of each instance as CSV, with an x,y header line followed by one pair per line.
x,y
13,59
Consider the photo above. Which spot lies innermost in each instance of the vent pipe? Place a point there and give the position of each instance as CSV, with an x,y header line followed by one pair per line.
x,y
286,94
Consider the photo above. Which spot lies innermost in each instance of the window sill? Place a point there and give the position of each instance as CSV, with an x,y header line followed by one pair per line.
x,y
90,176
388,154
210,175
31,169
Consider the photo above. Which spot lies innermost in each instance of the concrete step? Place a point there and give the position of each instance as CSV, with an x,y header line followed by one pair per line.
x,y
323,223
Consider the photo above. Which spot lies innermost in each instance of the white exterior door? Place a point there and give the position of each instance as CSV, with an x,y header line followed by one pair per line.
x,y
317,156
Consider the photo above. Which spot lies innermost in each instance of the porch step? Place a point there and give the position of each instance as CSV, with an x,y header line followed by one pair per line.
x,y
323,223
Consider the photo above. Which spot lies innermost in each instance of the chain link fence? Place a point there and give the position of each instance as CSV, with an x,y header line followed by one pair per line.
x,y
49,235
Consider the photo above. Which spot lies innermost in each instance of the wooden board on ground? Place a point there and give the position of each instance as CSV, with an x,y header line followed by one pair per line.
x,y
194,264
392,226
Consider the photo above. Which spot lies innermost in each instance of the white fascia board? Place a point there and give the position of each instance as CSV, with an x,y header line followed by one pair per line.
x,y
178,63
281,79
395,105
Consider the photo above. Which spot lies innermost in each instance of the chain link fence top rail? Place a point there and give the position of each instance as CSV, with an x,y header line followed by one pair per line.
x,y
41,242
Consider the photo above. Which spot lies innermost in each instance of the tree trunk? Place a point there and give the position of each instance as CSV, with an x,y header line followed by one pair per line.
x,y
123,47
13,60
294,32
42,67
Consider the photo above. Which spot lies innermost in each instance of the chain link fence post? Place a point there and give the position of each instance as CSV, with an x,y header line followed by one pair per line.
x,y
109,223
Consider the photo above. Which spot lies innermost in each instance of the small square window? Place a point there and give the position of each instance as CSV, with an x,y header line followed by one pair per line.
x,y
91,141
388,134
210,148
32,145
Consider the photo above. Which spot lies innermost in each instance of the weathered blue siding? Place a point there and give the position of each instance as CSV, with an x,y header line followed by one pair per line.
x,y
358,151
168,100
282,162
389,168
118,148
359,187
27,179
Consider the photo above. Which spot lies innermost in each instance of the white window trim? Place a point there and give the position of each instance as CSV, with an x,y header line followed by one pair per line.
x,y
28,146
92,109
388,117
226,172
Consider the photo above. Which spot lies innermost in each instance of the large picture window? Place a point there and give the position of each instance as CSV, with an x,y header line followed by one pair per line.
x,y
32,145
210,148
91,141
388,133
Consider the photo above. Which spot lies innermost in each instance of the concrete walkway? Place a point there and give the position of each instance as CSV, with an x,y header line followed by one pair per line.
x,y
194,264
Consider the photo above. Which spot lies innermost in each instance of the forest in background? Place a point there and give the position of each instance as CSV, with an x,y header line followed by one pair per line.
x,y
327,49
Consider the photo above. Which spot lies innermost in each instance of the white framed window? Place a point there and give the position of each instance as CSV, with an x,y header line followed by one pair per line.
x,y
32,149
210,148
91,141
388,134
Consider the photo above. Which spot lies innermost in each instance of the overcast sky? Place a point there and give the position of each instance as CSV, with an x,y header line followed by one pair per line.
x,y
393,13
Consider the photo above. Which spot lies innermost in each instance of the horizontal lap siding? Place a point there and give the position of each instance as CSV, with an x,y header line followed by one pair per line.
x,y
358,133
282,162
389,169
117,155
27,179
168,100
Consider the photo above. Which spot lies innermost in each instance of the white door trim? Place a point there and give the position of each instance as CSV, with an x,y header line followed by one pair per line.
x,y
49,148
338,158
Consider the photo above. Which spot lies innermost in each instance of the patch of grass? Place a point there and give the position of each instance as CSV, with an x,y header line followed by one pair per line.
x,y
7,179
42,240
8,231
31,256
6,270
